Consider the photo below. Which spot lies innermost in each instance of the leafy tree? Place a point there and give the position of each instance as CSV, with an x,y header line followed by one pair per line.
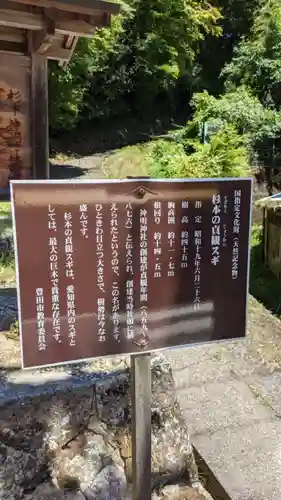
x,y
215,52
241,109
134,63
68,85
257,62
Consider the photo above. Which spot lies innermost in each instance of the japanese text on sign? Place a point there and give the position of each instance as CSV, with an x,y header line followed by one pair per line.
x,y
117,273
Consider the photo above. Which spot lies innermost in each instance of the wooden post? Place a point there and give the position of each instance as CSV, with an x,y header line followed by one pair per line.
x,y
141,426
40,122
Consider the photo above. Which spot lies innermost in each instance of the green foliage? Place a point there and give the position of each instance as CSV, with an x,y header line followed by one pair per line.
x,y
129,65
150,60
224,156
166,159
155,47
128,161
215,52
257,62
7,258
69,85
241,109
264,285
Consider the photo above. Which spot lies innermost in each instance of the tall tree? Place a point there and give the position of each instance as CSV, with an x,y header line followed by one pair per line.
x,y
236,23
128,66
257,59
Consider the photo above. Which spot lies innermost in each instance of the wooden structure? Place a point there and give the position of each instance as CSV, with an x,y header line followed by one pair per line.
x,y
31,32
271,207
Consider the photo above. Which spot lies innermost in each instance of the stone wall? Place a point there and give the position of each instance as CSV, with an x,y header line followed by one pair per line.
x,y
77,444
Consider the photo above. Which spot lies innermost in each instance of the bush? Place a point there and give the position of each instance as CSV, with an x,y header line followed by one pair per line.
x,y
165,159
224,156
241,109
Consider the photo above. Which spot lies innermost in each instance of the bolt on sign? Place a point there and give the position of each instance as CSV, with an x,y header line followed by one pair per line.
x,y
122,267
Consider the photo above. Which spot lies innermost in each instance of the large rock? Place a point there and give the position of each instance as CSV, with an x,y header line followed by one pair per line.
x,y
80,441
180,492
8,311
47,491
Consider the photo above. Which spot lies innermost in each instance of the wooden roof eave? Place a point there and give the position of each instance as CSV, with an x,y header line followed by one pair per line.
x,y
88,7
69,18
33,22
53,26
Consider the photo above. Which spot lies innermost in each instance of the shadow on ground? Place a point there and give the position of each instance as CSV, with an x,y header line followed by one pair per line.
x,y
98,138
8,292
65,171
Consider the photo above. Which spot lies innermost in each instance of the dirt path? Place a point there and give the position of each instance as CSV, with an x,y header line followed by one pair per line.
x,y
87,167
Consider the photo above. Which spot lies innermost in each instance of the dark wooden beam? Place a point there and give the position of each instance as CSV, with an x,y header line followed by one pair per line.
x,y
39,109
13,47
79,6
12,35
69,42
23,20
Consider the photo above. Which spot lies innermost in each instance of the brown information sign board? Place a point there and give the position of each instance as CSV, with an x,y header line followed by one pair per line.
x,y
115,267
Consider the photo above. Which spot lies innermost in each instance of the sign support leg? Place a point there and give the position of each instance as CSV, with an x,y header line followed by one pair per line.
x,y
141,426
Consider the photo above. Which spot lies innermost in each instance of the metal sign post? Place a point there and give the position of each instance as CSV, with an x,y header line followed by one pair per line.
x,y
141,426
141,423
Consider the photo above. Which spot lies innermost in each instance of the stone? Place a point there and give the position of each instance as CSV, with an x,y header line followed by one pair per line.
x,y
171,447
178,492
124,440
47,491
7,244
19,470
268,387
8,311
80,440
110,483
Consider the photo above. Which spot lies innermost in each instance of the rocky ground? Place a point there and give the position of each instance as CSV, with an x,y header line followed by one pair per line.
x,y
221,389
76,444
